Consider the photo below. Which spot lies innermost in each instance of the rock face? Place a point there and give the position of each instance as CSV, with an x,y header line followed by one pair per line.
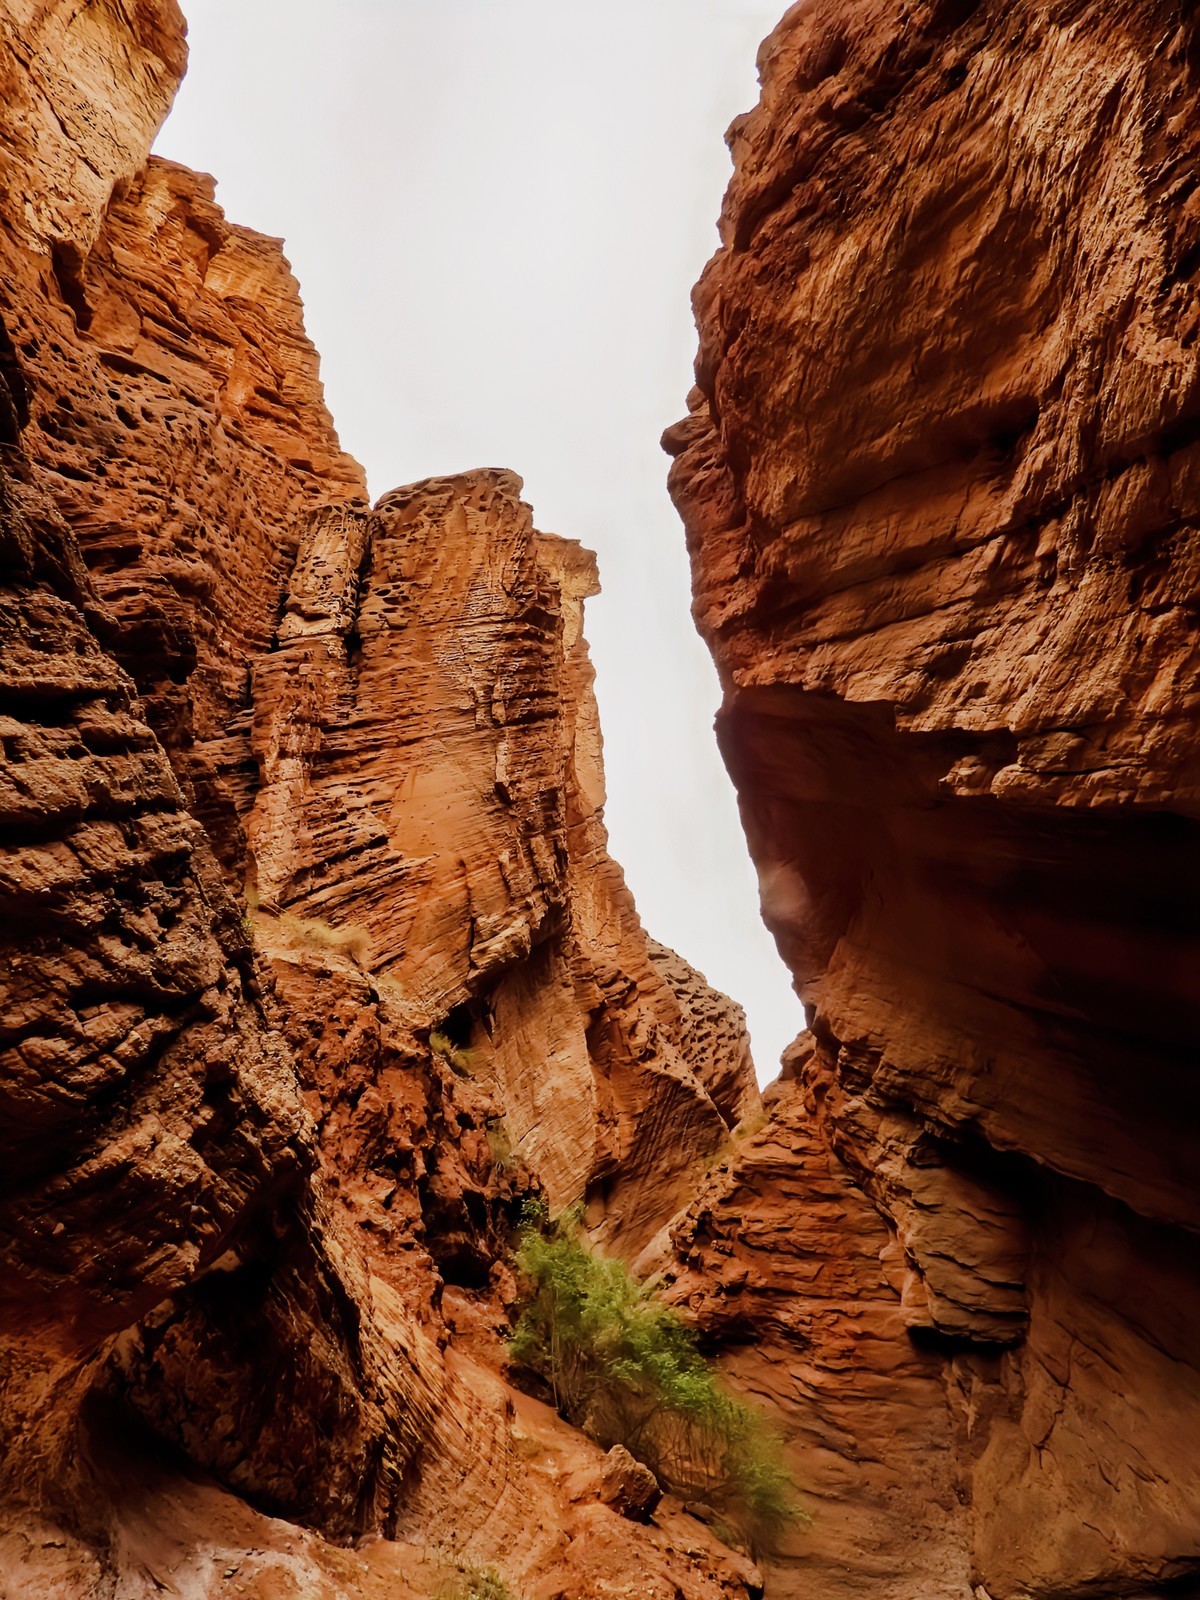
x,y
429,785
939,479
315,965
714,1036
159,1170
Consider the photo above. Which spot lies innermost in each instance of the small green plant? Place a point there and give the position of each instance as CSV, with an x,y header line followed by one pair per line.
x,y
457,1057
727,1147
752,1124
471,1582
348,940
500,1146
624,1366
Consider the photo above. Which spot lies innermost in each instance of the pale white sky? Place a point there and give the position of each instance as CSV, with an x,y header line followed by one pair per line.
x,y
497,210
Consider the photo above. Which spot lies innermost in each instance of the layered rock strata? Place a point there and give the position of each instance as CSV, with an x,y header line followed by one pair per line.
x,y
316,965
160,1173
427,792
939,484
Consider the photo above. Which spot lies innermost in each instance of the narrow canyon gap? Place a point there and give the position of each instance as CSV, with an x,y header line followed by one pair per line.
x,y
494,268
317,970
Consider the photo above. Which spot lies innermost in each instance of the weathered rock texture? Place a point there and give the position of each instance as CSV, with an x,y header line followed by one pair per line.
x,y
247,1143
159,1169
941,486
425,787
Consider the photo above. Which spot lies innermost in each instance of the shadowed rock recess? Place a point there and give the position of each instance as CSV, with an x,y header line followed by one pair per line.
x,y
314,967
941,480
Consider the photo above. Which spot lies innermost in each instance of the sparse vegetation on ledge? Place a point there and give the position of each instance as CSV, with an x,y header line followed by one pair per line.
x,y
468,1581
626,1368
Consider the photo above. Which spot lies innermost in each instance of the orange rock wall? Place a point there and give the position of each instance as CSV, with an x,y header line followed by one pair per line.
x,y
460,968
164,1227
315,964
159,1170
429,789
940,490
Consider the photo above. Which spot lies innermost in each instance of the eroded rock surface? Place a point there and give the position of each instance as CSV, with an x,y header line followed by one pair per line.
x,y
429,795
315,966
939,479
160,1173
714,1036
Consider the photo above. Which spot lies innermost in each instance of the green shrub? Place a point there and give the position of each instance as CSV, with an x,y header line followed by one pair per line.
x,y
500,1146
626,1368
470,1582
459,1058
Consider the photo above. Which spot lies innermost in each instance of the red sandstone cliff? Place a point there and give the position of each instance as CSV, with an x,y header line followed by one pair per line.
x,y
939,480
261,1155
314,960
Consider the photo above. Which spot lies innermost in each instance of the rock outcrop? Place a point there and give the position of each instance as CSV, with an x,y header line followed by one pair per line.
x,y
428,792
714,1037
939,479
315,964
160,1174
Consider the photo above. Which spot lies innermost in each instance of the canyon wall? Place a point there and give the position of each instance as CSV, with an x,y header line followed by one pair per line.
x,y
315,964
940,484
316,968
